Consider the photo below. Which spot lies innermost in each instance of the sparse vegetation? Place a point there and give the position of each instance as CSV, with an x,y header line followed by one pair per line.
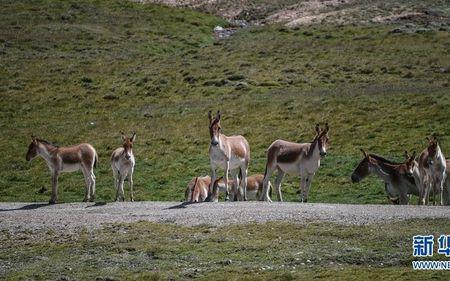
x,y
81,71
148,251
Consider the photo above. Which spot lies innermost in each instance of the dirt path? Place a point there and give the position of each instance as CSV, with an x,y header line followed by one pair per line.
x,y
68,217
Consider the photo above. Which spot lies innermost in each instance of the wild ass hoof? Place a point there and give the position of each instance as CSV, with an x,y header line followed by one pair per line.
x,y
52,201
85,200
92,199
131,199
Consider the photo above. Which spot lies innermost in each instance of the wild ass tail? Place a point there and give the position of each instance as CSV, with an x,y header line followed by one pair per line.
x,y
96,160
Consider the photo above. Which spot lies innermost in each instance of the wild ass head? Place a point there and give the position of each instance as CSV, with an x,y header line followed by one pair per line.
x,y
363,169
432,149
322,139
32,149
410,163
214,128
128,145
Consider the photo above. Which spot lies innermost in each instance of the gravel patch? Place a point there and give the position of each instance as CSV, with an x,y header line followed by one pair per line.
x,y
18,217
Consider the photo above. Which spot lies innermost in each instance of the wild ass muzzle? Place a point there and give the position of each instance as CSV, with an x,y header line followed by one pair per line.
x,y
122,164
66,159
432,168
399,182
295,158
231,154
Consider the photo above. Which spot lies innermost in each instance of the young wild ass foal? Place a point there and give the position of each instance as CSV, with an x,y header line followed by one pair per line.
x,y
229,153
197,188
122,164
432,168
66,159
295,158
399,182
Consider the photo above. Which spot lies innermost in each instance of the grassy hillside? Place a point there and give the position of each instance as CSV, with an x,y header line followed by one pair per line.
x,y
81,71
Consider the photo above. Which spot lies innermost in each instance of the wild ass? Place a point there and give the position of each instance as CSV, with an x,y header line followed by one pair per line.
x,y
399,182
197,188
295,158
122,164
254,187
229,153
66,159
432,167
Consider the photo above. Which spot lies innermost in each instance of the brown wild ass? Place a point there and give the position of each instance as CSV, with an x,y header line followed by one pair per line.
x,y
197,188
295,158
432,168
254,187
122,164
66,159
229,153
413,168
399,182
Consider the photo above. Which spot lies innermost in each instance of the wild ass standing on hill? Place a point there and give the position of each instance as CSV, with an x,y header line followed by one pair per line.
x,y
122,164
66,159
432,167
229,153
295,158
399,182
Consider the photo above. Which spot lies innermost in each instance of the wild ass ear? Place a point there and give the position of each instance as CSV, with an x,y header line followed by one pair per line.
x,y
124,138
413,156
133,137
218,115
364,152
209,116
317,128
327,128
406,154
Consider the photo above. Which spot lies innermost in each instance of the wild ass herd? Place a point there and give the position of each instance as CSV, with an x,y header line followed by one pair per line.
x,y
415,176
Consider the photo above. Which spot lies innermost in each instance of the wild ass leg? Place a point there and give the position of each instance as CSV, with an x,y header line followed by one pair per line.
x,y
92,185
235,186
130,182
120,191
87,181
244,181
225,178
423,189
306,184
441,183
54,197
265,192
211,192
278,180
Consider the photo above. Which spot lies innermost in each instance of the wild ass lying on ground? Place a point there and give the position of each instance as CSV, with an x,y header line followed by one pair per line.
x,y
295,158
229,153
254,187
122,164
66,159
399,182
197,188
432,168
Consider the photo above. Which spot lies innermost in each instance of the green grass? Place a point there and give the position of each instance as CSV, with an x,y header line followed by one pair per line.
x,y
380,91
268,251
